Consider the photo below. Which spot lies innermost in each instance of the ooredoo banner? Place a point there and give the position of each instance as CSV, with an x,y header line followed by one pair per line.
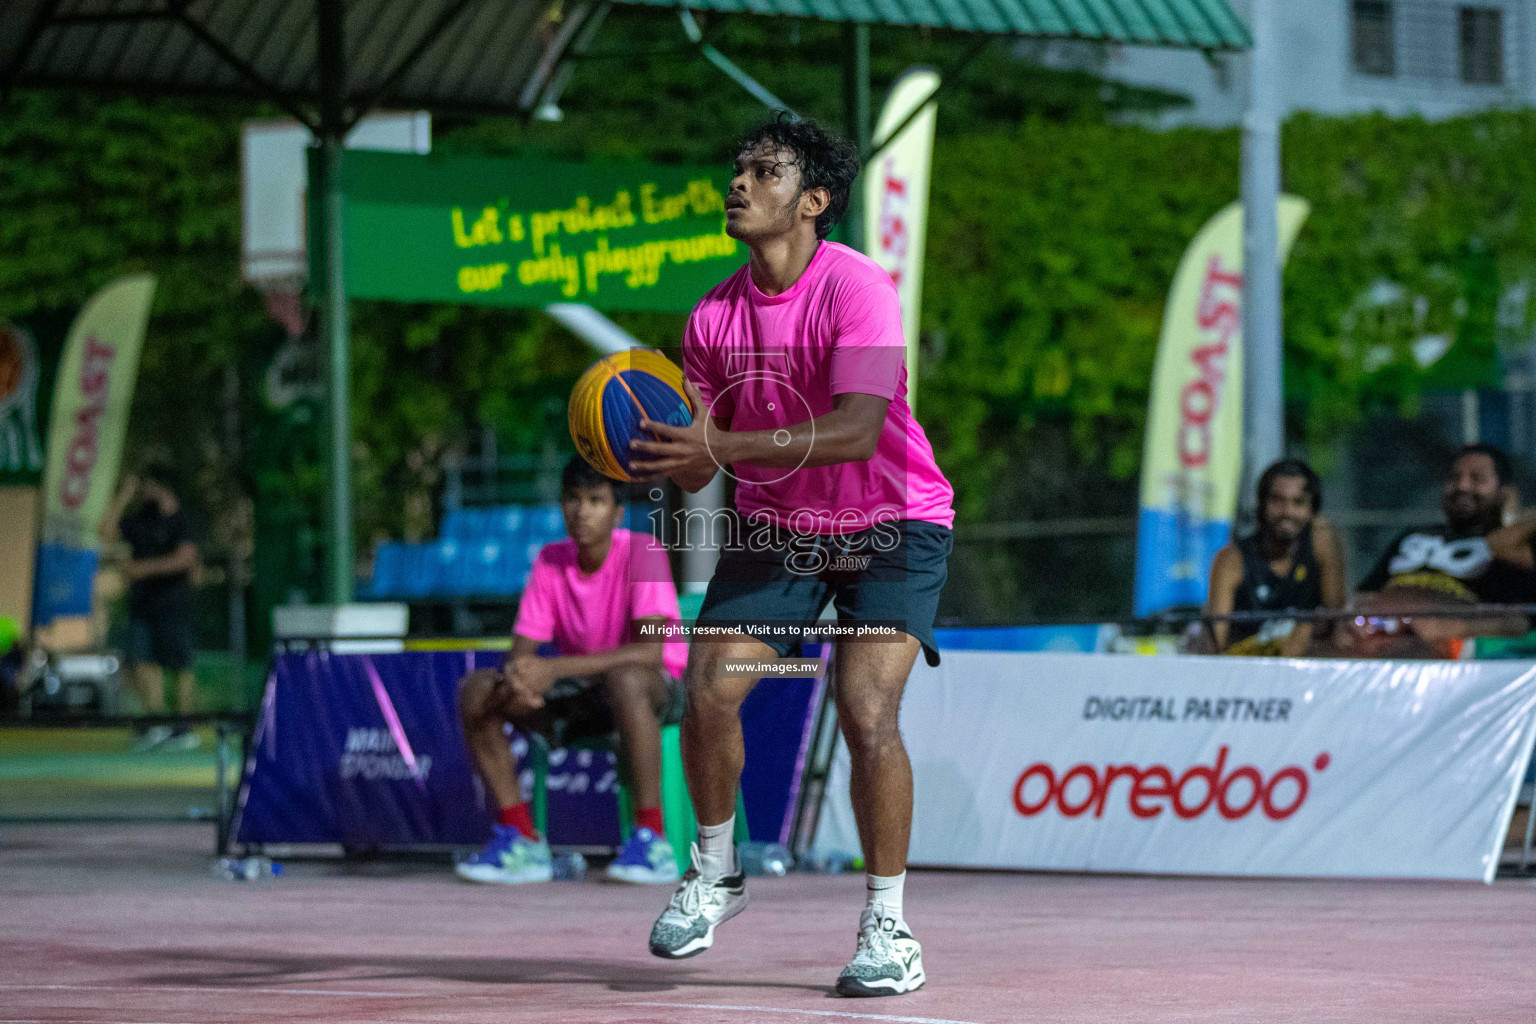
x,y
1223,766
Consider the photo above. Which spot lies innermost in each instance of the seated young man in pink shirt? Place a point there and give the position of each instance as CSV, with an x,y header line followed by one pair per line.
x,y
593,594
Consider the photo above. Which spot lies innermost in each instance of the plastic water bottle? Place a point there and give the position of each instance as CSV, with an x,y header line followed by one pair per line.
x,y
570,866
831,863
245,869
764,859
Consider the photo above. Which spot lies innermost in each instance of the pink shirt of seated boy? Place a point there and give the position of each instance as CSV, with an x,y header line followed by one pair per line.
x,y
590,613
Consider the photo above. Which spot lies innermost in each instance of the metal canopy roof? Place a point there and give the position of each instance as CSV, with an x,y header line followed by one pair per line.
x,y
467,54
1203,24
328,62
488,55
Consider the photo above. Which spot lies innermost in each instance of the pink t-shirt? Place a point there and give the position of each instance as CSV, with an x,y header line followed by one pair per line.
x,y
588,614
764,362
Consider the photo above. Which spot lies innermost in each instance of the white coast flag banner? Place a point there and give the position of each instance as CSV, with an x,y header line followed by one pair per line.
x,y
1219,766
896,198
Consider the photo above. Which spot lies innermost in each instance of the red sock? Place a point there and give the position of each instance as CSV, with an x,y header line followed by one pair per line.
x,y
517,817
650,817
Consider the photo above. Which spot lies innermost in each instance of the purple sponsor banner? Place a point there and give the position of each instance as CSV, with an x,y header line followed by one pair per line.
x,y
366,749
776,721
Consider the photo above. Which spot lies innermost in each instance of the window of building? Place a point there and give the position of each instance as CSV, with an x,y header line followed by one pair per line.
x,y
1482,45
1457,45
1371,38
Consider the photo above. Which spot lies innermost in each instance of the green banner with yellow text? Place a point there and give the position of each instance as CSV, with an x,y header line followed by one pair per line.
x,y
515,232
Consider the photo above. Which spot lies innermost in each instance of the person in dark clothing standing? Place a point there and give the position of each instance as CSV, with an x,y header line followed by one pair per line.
x,y
1292,562
148,516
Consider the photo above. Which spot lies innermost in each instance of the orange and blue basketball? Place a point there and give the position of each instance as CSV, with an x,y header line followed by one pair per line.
x,y
612,397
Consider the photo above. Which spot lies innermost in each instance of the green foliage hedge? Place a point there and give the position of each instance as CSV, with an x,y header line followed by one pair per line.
x,y
1052,247
1054,234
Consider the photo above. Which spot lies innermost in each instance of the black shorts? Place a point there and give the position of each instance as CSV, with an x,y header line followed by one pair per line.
x,y
160,632
890,574
576,708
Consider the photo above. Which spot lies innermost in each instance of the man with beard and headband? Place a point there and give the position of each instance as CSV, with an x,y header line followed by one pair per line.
x,y
1291,562
798,359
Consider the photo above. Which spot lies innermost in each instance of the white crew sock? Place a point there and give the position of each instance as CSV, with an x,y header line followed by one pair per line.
x,y
717,850
885,890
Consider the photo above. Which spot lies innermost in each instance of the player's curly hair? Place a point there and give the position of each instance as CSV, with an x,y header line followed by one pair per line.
x,y
826,160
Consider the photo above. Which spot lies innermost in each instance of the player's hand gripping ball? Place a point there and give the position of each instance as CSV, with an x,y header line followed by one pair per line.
x,y
611,399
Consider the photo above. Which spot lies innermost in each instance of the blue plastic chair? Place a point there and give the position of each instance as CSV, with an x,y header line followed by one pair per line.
x,y
449,568
388,570
481,559
544,524
459,524
508,524
513,569
420,571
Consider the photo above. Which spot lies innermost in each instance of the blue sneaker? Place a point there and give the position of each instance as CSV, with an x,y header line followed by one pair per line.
x,y
646,859
510,858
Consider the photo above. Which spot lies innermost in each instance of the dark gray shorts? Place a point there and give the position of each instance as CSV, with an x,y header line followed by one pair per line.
x,y
160,633
887,575
576,707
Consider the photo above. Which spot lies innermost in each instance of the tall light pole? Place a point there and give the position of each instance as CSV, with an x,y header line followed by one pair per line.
x,y
1263,360
338,429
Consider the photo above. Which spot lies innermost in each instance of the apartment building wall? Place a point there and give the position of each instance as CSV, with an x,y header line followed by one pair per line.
x,y
1435,58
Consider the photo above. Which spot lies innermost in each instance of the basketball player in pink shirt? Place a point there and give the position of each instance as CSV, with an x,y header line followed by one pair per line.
x,y
797,362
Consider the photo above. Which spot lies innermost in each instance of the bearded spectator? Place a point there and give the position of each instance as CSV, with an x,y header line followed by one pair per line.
x,y
1468,559
1291,562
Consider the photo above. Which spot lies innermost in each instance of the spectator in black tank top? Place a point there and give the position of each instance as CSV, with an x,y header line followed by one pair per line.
x,y
1292,562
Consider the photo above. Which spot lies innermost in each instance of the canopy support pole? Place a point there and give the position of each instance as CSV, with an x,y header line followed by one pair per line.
x,y
1263,356
757,89
334,313
856,121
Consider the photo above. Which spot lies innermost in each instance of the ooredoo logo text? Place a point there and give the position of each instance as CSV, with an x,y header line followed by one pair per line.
x,y
1087,789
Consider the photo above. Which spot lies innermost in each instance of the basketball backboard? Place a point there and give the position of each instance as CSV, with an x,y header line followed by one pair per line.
x,y
273,185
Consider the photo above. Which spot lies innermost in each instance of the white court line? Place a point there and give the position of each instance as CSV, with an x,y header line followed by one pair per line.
x,y
228,989
809,1013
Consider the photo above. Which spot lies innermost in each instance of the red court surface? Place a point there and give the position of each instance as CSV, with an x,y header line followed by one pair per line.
x,y
120,923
